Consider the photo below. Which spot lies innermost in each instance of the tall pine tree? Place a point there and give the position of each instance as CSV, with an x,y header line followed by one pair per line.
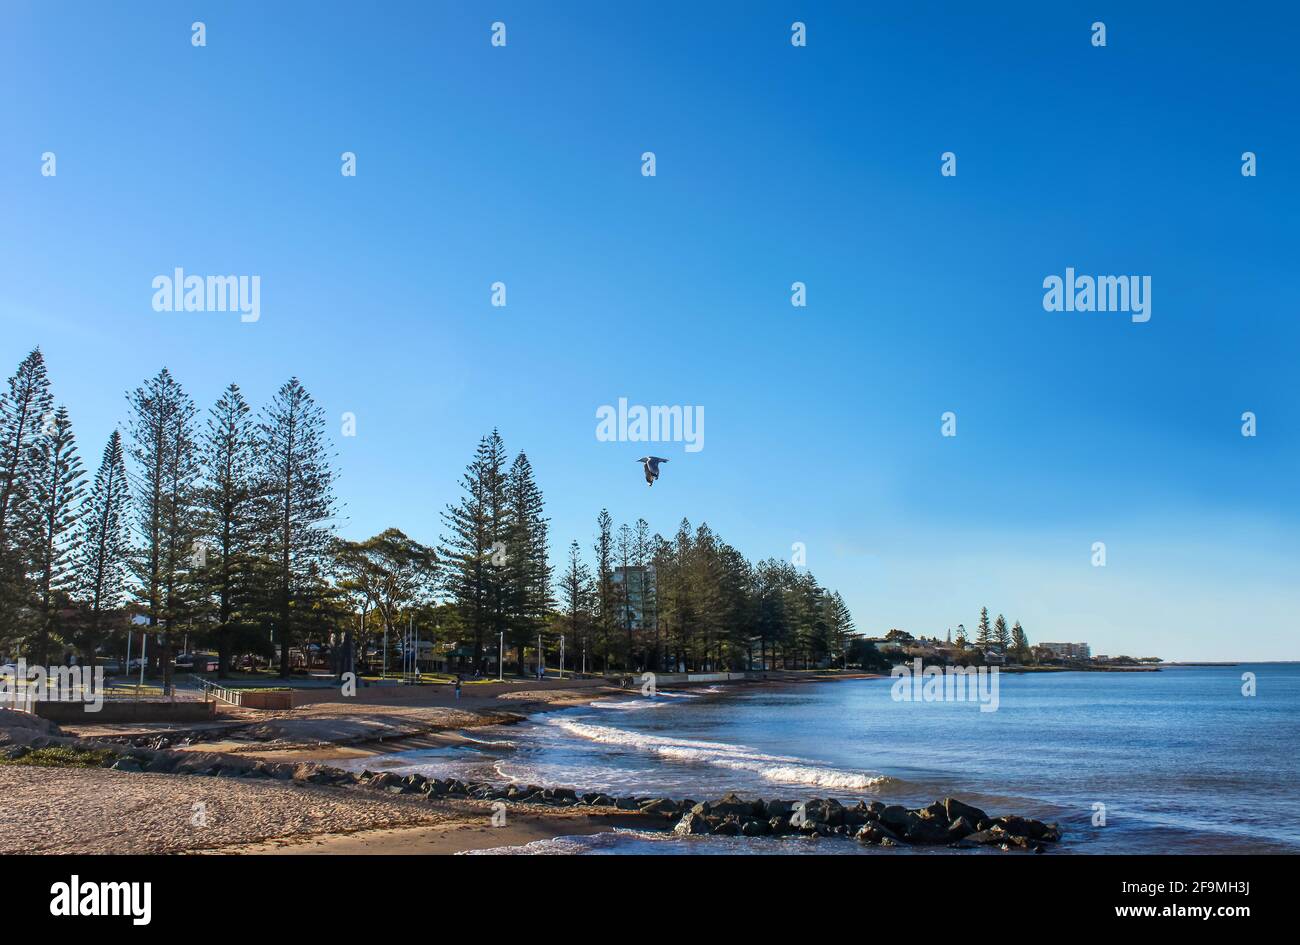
x,y
228,499
25,408
103,547
1000,635
474,550
166,520
527,575
294,524
55,503
576,594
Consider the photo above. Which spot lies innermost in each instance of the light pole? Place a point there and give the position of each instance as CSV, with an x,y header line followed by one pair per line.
x,y
501,655
561,655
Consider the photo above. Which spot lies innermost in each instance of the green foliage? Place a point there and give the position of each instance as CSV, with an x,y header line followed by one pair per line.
x,y
63,756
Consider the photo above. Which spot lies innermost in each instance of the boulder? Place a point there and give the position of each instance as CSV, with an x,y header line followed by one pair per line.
x,y
992,835
858,814
778,826
659,806
627,803
731,804
960,829
828,811
874,833
754,828
730,826
692,823
127,764
161,762
315,774
925,829
955,809
778,808
894,817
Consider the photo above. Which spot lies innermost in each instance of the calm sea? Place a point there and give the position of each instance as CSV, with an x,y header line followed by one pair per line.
x,y
1178,761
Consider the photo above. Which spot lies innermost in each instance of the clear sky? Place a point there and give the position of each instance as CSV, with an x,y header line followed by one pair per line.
x,y
774,164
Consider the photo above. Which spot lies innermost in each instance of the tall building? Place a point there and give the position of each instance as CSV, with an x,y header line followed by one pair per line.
x,y
640,585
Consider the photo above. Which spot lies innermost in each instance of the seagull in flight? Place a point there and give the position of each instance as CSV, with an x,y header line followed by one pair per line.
x,y
651,468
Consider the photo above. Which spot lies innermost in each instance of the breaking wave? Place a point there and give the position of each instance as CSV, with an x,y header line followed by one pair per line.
x,y
778,769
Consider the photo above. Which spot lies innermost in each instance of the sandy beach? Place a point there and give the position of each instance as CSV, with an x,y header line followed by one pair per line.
x,y
97,810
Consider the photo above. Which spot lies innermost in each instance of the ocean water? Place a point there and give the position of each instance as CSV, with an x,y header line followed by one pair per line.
x,y
1179,761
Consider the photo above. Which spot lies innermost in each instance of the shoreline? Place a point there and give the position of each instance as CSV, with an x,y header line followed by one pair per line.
x,y
143,811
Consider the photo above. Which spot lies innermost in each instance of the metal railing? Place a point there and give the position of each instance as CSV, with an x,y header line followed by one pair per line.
x,y
231,696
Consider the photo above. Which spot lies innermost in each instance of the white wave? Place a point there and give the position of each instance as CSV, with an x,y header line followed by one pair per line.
x,y
630,704
495,742
778,769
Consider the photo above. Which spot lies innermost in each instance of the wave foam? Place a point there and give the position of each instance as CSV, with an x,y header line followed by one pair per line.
x,y
778,769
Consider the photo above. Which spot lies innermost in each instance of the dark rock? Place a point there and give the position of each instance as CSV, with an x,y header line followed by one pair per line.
x,y
894,817
925,829
730,826
731,804
754,828
161,762
778,826
829,811
627,803
692,823
955,809
778,808
960,828
659,806
127,764
991,835
874,833
13,752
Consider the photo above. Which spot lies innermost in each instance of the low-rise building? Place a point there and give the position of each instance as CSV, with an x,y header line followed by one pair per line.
x,y
1069,651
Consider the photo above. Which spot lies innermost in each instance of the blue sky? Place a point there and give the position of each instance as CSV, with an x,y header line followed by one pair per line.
x,y
774,164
